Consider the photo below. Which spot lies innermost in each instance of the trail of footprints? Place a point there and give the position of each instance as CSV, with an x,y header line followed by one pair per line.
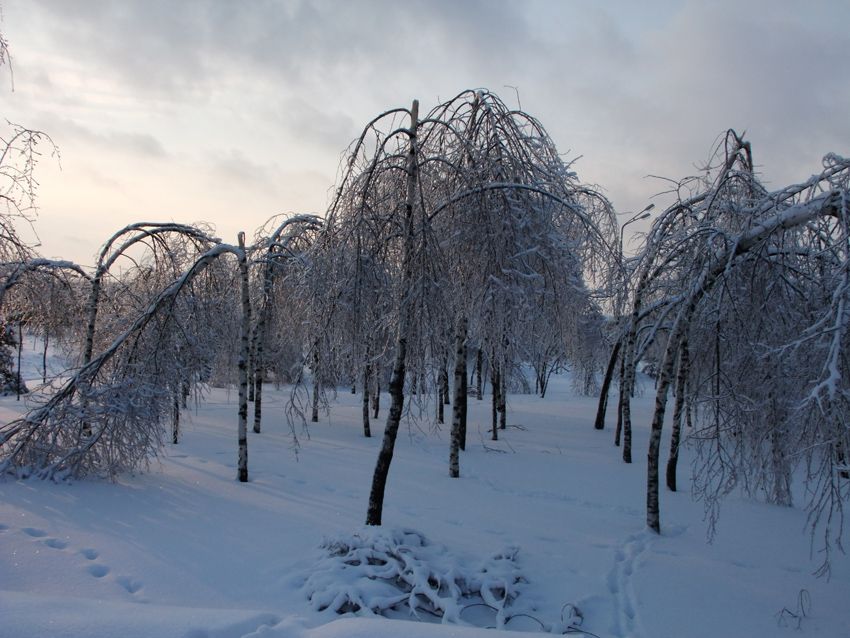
x,y
92,567
622,588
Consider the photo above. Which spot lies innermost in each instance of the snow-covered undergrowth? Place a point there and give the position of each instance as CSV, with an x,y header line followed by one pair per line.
x,y
398,573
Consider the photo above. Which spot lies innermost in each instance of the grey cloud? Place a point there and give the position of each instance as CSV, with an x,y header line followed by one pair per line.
x,y
182,48
635,88
311,123
63,131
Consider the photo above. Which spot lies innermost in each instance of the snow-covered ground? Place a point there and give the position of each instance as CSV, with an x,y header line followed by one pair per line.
x,y
185,550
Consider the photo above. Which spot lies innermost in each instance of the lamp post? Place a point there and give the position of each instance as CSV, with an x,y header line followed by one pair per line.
x,y
619,303
641,215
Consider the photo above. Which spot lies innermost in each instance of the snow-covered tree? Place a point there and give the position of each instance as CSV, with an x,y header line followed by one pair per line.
x,y
745,291
276,337
462,225
110,415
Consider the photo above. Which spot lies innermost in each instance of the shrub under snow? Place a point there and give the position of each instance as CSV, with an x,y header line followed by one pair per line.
x,y
398,573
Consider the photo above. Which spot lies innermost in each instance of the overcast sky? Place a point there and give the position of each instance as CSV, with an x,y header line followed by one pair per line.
x,y
231,111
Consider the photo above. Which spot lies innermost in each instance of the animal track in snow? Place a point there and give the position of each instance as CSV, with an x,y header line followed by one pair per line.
x,y
619,581
98,571
55,543
130,584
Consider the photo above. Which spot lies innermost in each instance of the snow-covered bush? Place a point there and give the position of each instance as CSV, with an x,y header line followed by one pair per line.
x,y
398,573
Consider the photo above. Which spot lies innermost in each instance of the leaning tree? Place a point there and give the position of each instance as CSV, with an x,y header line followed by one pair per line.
x,y
746,292
110,414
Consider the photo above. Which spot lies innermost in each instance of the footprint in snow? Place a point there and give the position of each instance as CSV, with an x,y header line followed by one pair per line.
x,y
627,557
55,543
35,533
130,584
98,571
91,554
3,528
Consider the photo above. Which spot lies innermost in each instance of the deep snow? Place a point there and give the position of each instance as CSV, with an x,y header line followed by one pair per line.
x,y
185,550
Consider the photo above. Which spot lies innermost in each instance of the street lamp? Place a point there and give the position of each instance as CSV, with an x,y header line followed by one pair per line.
x,y
641,215
623,266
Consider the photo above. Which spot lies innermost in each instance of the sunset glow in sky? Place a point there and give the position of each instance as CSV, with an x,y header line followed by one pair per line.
x,y
232,112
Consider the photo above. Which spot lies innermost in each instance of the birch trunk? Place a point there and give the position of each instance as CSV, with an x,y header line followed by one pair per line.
x,y
374,512
620,402
440,405
479,365
459,402
367,375
503,399
244,353
175,419
599,424
675,438
315,416
258,399
677,333
465,393
496,384
376,401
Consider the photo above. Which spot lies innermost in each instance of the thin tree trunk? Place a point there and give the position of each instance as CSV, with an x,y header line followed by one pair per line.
x,y
175,419
465,393
367,375
680,328
479,364
472,374
258,339
376,402
44,357
653,517
244,353
599,424
258,398
544,382
440,405
496,384
681,381
94,300
626,415
20,350
374,512
459,399
315,416
503,398
619,430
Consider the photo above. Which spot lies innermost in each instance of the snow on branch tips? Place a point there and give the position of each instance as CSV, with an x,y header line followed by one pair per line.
x,y
109,416
465,217
740,304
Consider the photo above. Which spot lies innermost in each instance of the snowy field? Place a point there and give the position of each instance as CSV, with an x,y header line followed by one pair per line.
x,y
186,551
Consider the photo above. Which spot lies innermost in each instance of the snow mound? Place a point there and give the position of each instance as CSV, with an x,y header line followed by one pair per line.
x,y
398,573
